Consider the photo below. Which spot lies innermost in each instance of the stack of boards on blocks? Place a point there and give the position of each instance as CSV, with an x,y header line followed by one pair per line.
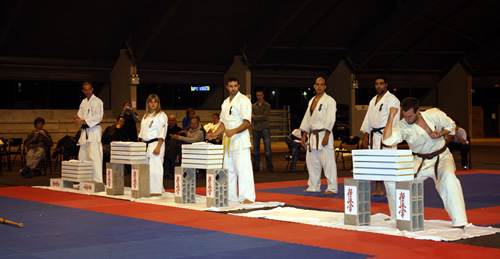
x,y
76,171
383,165
128,152
202,155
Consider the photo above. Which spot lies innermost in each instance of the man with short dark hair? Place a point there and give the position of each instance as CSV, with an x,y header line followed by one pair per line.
x,y
424,132
236,116
261,130
375,120
88,118
38,144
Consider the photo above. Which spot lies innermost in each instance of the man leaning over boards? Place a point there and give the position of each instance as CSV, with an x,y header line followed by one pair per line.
x,y
424,132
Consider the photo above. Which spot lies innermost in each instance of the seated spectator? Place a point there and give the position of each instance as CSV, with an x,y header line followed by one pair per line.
x,y
459,142
187,120
67,146
212,127
173,148
173,129
131,119
112,133
295,146
38,144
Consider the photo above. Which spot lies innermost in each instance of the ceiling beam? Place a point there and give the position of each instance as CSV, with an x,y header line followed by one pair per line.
x,y
159,27
384,32
483,55
429,32
280,30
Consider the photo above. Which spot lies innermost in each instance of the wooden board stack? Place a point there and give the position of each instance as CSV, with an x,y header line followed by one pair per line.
x,y
128,152
202,156
76,171
383,165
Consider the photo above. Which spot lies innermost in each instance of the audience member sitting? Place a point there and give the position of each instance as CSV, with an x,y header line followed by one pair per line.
x,y
295,146
187,120
173,149
459,142
131,119
212,127
173,129
38,144
116,132
67,146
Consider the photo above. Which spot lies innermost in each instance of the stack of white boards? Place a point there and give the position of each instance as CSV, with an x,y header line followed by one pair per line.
x,y
128,152
383,165
202,155
76,171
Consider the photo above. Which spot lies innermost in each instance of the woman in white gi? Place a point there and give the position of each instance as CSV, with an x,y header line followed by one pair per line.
x,y
153,133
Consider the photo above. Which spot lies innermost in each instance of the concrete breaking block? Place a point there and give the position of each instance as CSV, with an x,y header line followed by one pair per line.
x,y
114,179
217,187
357,205
410,205
139,181
184,185
60,183
91,187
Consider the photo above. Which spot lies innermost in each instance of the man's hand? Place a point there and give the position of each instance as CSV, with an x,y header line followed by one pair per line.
x,y
230,133
303,140
78,122
365,140
157,150
324,142
435,134
175,136
393,112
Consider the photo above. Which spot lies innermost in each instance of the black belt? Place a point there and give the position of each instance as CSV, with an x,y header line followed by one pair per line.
x,y
372,132
150,141
85,126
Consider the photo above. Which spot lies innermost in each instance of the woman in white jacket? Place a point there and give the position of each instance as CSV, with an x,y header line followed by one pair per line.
x,y
153,133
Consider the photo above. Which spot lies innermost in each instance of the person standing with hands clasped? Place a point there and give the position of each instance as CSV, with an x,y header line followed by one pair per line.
x,y
88,118
317,128
235,117
374,123
153,133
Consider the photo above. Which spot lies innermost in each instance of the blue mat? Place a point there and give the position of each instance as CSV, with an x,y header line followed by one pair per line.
x,y
480,191
59,232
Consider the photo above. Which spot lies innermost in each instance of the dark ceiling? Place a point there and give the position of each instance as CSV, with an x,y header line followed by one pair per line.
x,y
294,36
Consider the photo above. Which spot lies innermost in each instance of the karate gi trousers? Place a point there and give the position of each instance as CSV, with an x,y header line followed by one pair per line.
x,y
447,185
321,159
155,168
240,180
92,151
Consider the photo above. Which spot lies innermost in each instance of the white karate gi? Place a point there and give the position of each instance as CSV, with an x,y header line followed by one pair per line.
x,y
154,127
322,118
376,118
237,159
447,184
91,110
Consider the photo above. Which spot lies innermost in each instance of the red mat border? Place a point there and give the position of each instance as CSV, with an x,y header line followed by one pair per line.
x,y
351,241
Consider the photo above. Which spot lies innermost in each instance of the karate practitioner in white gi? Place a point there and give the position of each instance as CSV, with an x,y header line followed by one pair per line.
x,y
424,132
374,123
88,118
317,126
235,118
153,132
